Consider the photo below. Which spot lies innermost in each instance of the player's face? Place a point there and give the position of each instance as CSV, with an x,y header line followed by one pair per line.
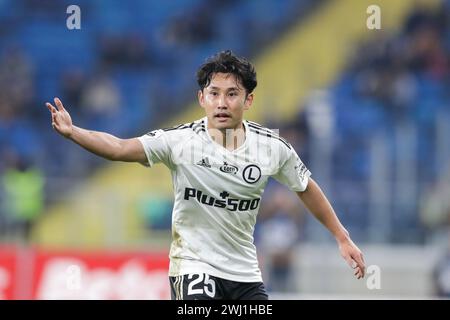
x,y
224,101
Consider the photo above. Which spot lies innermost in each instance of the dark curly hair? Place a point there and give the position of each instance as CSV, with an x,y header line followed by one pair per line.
x,y
227,62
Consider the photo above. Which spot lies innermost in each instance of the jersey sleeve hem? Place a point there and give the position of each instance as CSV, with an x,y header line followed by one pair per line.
x,y
149,161
307,176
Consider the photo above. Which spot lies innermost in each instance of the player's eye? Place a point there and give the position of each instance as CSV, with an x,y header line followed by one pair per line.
x,y
213,93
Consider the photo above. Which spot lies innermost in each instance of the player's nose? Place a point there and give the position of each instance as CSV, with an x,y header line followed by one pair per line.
x,y
222,103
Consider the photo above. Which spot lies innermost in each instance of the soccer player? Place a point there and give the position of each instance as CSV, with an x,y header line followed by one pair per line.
x,y
220,165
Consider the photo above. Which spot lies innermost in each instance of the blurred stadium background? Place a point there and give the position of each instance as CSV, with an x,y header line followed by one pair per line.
x,y
367,110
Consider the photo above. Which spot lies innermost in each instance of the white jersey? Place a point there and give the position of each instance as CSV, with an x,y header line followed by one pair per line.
x,y
218,194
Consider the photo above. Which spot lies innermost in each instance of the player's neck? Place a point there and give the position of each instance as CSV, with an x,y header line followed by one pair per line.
x,y
230,139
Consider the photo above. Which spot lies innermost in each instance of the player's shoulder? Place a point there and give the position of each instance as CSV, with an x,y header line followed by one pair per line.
x,y
200,123
180,131
265,134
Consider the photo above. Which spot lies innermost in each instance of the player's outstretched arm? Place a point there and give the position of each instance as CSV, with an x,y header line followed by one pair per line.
x,y
100,143
316,201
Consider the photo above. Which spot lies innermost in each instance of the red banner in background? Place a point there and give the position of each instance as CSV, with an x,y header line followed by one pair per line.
x,y
84,275
7,273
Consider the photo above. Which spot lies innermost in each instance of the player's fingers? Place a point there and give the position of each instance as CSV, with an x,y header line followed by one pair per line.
x,y
350,262
358,273
50,107
53,114
359,260
59,104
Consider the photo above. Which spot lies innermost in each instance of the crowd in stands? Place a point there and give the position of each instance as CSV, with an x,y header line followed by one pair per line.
x,y
394,90
128,69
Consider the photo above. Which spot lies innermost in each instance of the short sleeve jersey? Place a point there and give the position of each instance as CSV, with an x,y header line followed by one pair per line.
x,y
218,194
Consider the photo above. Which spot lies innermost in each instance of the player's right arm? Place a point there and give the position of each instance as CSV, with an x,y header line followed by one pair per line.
x,y
100,143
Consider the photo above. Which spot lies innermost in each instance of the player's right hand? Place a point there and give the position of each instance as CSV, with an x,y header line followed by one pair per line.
x,y
61,120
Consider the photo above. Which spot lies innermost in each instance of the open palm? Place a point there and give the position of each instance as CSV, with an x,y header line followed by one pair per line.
x,y
61,120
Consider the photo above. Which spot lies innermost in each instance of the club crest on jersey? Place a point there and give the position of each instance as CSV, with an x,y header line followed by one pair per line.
x,y
251,173
228,168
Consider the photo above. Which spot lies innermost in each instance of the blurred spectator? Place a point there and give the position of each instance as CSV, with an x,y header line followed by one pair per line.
x,y
278,234
441,274
16,79
23,187
189,30
156,212
73,85
427,52
435,210
125,51
101,97
297,134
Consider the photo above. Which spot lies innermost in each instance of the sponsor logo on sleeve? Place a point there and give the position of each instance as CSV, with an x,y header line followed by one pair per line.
x,y
301,170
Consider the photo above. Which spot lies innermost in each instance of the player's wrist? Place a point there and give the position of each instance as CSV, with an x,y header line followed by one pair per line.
x,y
71,133
342,236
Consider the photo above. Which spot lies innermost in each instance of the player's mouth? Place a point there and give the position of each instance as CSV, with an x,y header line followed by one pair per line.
x,y
222,116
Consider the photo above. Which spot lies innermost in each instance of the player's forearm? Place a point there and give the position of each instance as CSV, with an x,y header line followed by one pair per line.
x,y
317,203
100,143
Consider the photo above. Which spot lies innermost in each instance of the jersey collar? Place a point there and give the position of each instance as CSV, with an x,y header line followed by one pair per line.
x,y
244,122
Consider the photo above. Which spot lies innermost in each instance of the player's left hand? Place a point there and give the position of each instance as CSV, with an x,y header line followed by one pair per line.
x,y
354,257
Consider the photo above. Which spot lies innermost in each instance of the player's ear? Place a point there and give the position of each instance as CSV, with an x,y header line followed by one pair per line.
x,y
201,98
248,101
